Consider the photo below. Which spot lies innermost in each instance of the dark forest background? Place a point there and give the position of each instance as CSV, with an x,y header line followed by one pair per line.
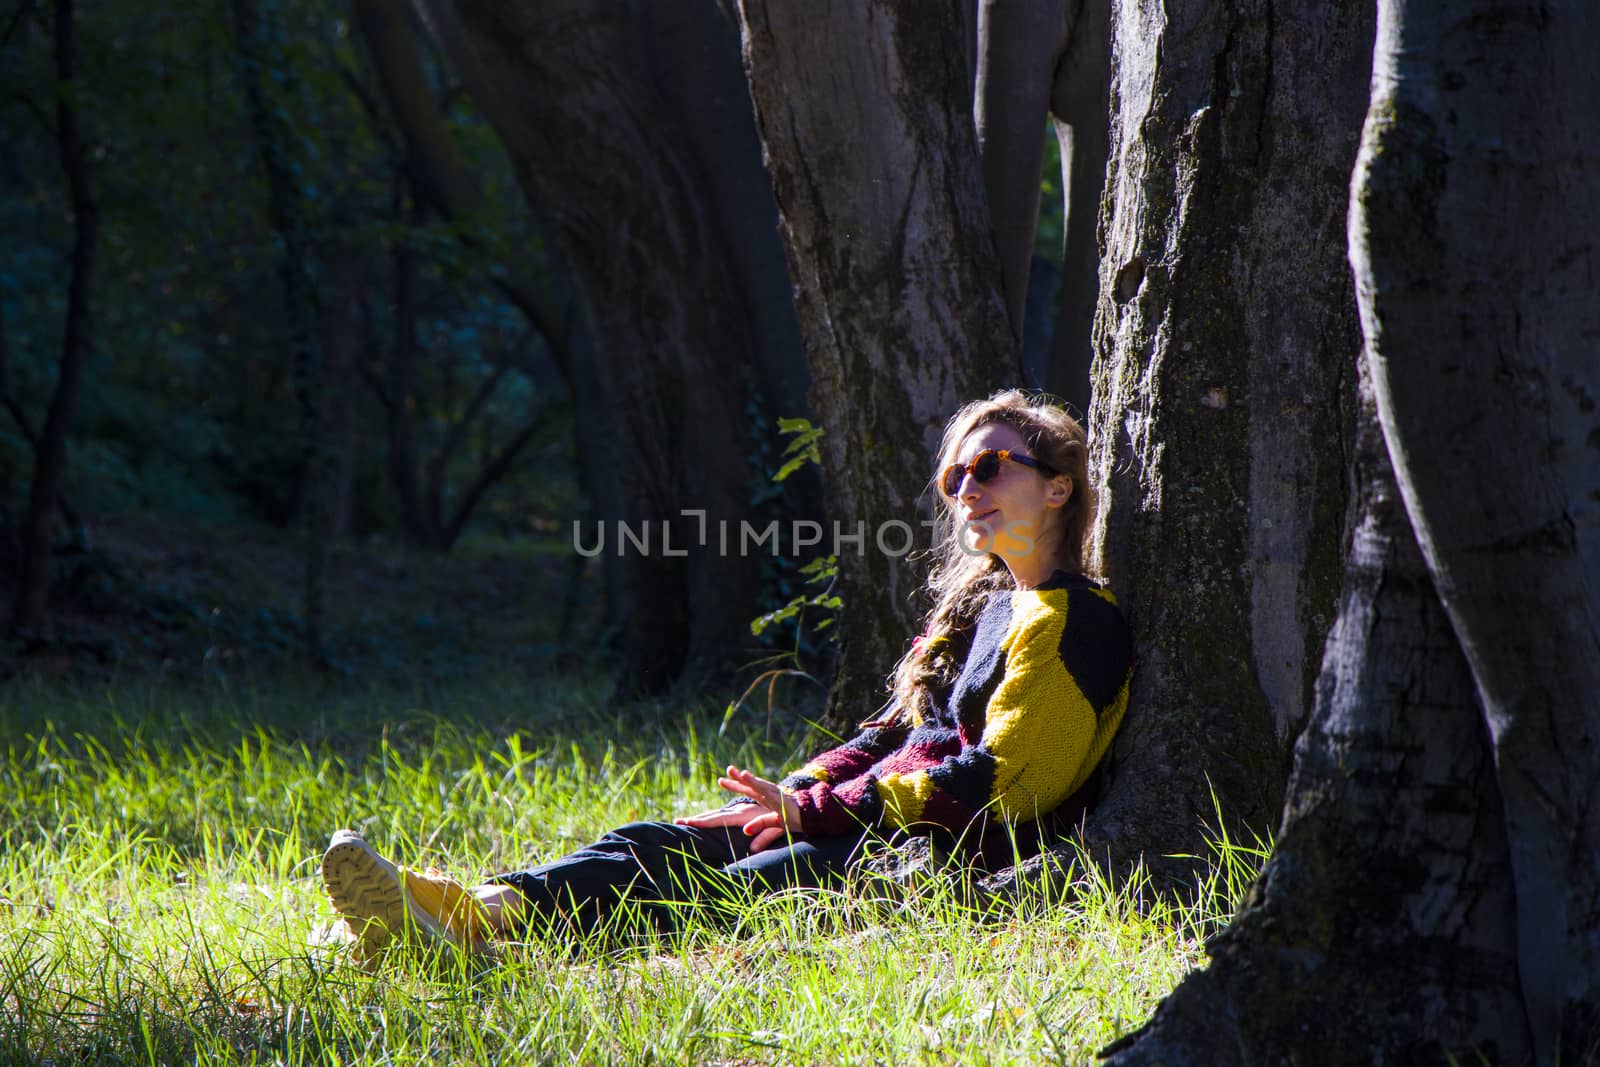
x,y
297,341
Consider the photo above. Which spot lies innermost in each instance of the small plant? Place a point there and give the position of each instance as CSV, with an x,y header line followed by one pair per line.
x,y
803,448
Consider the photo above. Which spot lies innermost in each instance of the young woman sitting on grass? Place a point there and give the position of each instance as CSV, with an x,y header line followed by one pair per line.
x,y
998,716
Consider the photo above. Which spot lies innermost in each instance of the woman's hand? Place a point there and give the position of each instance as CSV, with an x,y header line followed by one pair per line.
x,y
752,817
778,812
765,830
720,817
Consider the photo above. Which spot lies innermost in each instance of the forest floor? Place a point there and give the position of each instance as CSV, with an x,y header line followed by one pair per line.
x,y
154,596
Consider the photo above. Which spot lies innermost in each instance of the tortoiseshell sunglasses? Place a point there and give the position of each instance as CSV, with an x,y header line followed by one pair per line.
x,y
986,465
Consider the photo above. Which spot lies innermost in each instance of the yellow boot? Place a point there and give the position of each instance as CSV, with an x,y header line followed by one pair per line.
x,y
379,900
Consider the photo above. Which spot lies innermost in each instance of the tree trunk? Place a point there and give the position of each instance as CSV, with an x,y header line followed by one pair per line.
x,y
1019,42
1387,899
261,61
1436,874
614,173
1079,103
695,54
1474,234
1226,332
50,451
865,113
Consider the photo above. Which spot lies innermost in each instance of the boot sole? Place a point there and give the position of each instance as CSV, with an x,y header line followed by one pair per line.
x,y
368,891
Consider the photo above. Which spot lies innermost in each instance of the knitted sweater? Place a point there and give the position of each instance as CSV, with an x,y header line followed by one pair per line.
x,y
1041,692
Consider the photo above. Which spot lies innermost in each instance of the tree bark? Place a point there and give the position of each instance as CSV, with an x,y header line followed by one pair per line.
x,y
1079,102
1436,874
50,451
1225,332
1473,235
1388,898
1019,42
695,57
615,175
865,114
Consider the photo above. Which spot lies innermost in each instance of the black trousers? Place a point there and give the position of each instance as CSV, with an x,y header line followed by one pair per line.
x,y
647,874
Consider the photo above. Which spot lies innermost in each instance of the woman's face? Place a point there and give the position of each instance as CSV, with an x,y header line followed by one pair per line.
x,y
1015,514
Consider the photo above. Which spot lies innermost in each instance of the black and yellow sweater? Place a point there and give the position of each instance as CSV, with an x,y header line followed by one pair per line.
x,y
1038,698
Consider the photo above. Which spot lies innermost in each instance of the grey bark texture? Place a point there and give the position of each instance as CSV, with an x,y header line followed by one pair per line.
x,y
865,115
1225,338
1473,236
1380,931
581,94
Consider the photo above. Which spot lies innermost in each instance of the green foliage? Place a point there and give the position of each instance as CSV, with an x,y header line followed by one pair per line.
x,y
821,571
803,446
159,900
794,586
189,404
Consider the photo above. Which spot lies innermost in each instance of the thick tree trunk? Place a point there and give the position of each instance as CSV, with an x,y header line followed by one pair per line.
x,y
1436,874
1381,930
50,449
695,55
1226,331
613,172
1079,102
1019,42
865,113
1474,235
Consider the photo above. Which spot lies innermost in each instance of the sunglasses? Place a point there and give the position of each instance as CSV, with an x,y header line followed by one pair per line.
x,y
984,466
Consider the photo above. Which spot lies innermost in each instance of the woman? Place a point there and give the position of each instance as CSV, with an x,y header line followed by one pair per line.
x,y
999,713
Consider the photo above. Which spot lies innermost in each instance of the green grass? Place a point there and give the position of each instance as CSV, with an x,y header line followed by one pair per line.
x,y
160,901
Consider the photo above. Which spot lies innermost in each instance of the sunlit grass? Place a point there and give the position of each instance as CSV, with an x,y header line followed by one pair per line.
x,y
158,870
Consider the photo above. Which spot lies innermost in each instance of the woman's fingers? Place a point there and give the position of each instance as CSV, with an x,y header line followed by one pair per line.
x,y
734,785
767,839
755,781
747,784
767,820
781,808
708,820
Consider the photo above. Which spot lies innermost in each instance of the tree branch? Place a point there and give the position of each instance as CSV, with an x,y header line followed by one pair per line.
x,y
492,472
440,174
375,115
24,9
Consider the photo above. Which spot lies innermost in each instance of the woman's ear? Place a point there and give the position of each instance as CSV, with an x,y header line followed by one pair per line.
x,y
1058,491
